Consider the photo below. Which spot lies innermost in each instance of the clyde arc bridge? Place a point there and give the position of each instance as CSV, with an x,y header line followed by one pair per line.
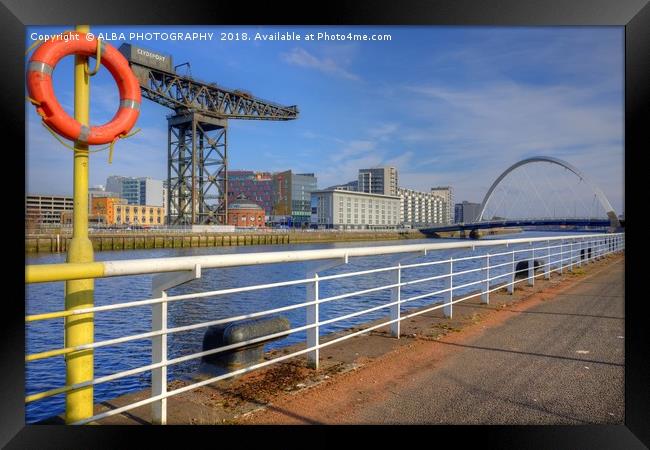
x,y
540,198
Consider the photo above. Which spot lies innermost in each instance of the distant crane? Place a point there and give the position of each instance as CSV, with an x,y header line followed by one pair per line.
x,y
197,176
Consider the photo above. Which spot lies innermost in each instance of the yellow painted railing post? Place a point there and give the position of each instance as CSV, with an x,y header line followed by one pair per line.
x,y
79,329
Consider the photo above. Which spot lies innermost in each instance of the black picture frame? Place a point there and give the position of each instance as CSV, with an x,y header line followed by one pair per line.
x,y
634,15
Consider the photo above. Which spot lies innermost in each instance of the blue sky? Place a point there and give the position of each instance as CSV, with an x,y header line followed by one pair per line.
x,y
446,105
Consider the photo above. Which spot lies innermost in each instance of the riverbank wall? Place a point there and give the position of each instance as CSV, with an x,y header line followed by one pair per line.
x,y
57,243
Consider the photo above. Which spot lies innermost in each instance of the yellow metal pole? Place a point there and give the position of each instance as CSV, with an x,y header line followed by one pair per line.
x,y
79,293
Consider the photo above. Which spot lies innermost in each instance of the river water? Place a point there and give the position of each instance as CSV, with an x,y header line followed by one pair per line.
x,y
46,335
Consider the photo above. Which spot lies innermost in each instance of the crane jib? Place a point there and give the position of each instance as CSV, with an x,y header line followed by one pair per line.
x,y
160,83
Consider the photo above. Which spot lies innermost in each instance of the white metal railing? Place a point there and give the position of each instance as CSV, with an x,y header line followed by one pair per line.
x,y
553,254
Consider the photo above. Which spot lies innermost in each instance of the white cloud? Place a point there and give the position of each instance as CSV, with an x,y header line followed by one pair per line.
x,y
477,133
301,57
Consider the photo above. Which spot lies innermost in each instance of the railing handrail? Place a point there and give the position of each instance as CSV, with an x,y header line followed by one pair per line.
x,y
41,273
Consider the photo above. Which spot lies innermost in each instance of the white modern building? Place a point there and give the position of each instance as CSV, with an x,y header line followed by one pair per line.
x,y
379,180
447,195
350,210
421,209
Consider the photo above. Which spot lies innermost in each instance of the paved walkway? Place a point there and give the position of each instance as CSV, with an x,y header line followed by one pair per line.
x,y
557,361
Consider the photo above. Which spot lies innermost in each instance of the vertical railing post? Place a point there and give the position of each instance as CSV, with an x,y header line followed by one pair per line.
x,y
449,286
511,285
608,241
547,272
571,256
580,252
159,286
485,296
561,256
312,319
312,311
396,297
531,269
159,355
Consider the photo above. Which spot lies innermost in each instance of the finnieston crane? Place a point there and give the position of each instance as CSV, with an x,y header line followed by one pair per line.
x,y
197,156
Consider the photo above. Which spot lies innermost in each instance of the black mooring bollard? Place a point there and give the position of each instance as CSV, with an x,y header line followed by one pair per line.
x,y
232,333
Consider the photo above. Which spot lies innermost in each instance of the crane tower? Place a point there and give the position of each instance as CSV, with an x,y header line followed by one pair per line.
x,y
197,146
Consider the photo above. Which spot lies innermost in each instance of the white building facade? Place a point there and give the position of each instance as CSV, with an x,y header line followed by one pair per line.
x,y
421,209
446,193
350,210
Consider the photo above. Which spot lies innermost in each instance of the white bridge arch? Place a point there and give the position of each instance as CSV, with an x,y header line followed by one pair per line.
x,y
611,214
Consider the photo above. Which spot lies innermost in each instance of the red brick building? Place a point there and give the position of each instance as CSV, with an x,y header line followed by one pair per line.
x,y
245,213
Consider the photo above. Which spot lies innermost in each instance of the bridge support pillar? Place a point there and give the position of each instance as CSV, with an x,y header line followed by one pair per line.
x,y
485,296
449,289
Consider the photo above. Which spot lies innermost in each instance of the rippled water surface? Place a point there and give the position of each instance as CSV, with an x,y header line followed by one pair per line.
x,y
46,335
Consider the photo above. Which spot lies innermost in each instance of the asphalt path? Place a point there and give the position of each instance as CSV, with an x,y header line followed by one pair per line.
x,y
560,362
558,359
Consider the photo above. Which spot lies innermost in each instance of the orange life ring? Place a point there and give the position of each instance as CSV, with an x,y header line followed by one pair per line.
x,y
39,84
